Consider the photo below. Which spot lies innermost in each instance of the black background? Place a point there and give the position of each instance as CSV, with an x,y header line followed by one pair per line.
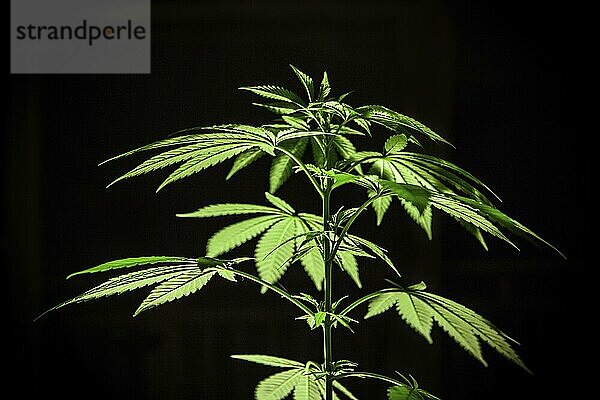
x,y
493,78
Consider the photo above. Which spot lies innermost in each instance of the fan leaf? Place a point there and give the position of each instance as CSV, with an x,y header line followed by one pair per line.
x,y
420,308
125,283
404,393
306,388
278,386
272,257
306,81
280,203
281,167
203,161
324,88
243,160
275,93
269,360
217,210
176,287
396,121
349,264
236,234
380,206
133,262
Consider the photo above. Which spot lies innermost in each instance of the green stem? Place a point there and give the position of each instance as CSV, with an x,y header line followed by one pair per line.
x,y
274,288
303,167
327,327
311,115
349,224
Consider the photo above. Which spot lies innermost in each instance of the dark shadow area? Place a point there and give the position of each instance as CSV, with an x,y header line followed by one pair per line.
x,y
486,77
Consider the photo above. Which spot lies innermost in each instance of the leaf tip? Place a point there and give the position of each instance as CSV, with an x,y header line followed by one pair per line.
x,y
161,186
138,312
112,183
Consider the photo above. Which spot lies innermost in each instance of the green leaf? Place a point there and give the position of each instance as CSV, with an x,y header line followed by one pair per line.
x,y
473,230
420,308
484,329
458,207
306,389
415,195
324,88
171,157
381,205
458,330
273,257
278,386
297,123
464,210
422,218
395,144
349,264
404,393
381,304
280,108
230,276
287,136
217,210
200,151
183,284
375,249
269,360
306,81
134,262
506,222
279,203
193,139
337,385
236,234
203,161
281,167
125,283
384,169
317,151
344,147
364,124
445,171
318,319
275,93
396,121
243,160
315,267
416,313
342,178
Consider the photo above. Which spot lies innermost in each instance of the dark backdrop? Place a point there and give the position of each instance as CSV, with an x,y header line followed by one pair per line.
x,y
489,77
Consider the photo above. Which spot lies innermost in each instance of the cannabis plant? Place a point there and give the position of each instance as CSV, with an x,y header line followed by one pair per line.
x,y
315,136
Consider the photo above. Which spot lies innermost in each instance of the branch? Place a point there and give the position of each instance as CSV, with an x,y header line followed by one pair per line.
x,y
274,288
350,222
303,167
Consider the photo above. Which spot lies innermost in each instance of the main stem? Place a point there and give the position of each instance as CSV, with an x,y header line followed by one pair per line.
x,y
327,331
